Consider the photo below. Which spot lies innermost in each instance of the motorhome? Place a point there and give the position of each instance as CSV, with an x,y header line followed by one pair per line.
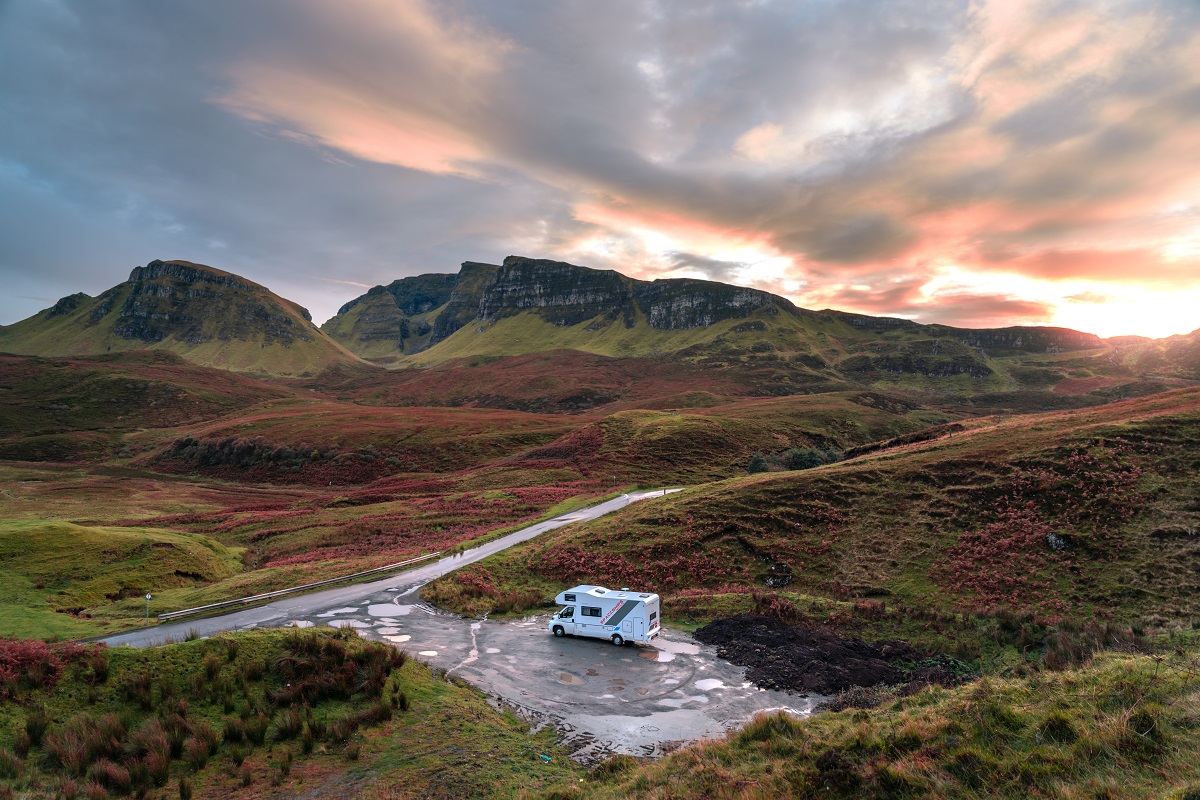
x,y
619,615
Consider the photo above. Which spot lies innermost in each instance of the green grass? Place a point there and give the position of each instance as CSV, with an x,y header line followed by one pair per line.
x,y
1125,726
47,568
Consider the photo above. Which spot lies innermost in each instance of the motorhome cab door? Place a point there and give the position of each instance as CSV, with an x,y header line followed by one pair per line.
x,y
566,619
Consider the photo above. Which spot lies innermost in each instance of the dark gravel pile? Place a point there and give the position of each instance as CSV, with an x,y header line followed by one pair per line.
x,y
800,659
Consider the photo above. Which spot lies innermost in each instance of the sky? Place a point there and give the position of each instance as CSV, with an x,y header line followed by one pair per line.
x,y
980,164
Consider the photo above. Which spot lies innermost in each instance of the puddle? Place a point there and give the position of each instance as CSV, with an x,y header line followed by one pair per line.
x,y
429,653
348,623
592,673
300,623
569,679
680,702
671,681
708,684
619,682
401,639
676,648
491,651
336,611
387,630
642,690
388,610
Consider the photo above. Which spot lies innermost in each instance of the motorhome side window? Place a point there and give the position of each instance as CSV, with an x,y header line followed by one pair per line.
x,y
570,598
569,611
590,611
653,615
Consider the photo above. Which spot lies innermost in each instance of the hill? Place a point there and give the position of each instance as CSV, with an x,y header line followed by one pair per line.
x,y
206,315
1069,515
72,409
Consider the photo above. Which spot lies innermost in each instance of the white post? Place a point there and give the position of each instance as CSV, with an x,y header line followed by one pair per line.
x,y
147,608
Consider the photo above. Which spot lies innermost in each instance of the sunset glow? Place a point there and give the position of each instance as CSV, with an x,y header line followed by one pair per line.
x,y
984,164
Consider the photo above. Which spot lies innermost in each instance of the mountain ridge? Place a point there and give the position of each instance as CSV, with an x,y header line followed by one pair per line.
x,y
564,295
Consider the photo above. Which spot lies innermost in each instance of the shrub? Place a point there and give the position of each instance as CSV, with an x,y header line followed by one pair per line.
x,y
36,722
111,776
10,764
375,714
158,767
256,728
185,788
233,730
27,664
342,729
352,751
758,463
195,753
288,725
139,688
96,662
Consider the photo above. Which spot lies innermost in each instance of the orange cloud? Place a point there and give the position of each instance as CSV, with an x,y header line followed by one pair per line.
x,y
391,81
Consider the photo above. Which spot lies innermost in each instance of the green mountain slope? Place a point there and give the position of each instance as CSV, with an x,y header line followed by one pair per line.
x,y
206,315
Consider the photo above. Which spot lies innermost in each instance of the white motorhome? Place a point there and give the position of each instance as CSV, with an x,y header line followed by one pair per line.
x,y
618,615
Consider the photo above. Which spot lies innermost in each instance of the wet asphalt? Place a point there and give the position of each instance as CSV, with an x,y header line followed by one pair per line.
x,y
640,699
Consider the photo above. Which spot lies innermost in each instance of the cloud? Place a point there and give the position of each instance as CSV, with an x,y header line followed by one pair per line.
x,y
962,308
712,269
1091,298
855,144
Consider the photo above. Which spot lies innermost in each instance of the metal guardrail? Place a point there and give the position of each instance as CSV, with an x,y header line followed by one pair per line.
x,y
241,601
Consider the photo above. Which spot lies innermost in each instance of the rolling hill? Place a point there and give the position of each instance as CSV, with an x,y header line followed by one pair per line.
x,y
1079,514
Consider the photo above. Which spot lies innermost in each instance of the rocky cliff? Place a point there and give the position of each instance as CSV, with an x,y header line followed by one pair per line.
x,y
559,293
414,314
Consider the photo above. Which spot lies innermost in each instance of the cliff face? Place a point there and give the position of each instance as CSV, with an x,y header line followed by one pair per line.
x,y
563,294
196,304
209,316
414,314
683,303
559,293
